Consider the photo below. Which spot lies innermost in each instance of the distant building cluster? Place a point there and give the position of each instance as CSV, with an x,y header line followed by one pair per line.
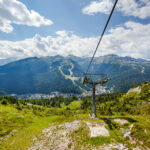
x,y
99,90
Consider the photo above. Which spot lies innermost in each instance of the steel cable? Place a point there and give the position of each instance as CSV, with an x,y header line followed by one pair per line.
x,y
102,35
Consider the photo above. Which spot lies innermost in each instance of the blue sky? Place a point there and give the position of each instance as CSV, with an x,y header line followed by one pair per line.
x,y
73,27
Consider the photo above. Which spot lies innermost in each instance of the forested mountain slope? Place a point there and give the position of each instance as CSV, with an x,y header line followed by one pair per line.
x,y
64,74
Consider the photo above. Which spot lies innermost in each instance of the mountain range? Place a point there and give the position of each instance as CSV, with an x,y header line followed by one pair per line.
x,y
65,74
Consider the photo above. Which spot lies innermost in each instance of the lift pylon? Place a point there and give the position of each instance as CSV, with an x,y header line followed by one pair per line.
x,y
88,80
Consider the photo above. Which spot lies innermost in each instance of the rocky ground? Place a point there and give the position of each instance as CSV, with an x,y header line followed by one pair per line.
x,y
62,137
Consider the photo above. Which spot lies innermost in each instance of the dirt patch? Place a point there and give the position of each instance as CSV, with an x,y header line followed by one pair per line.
x,y
120,121
56,137
127,132
118,146
137,90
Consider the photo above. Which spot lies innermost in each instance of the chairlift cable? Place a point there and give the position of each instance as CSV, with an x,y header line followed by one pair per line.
x,y
102,35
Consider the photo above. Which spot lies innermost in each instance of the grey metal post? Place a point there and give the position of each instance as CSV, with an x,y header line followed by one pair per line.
x,y
100,82
93,104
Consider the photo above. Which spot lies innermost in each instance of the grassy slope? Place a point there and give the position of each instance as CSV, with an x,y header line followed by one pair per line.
x,y
25,126
135,106
18,127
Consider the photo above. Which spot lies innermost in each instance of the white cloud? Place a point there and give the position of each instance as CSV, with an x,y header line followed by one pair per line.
x,y
140,8
103,6
131,39
64,43
15,12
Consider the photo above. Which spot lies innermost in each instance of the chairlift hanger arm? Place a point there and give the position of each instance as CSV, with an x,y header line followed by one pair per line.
x,y
87,78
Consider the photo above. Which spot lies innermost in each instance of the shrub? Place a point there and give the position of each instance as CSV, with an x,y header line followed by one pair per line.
x,y
4,101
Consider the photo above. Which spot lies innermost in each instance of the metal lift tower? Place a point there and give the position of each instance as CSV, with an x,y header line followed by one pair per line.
x,y
89,80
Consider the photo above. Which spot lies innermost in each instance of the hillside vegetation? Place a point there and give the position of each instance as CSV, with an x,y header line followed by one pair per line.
x,y
21,122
